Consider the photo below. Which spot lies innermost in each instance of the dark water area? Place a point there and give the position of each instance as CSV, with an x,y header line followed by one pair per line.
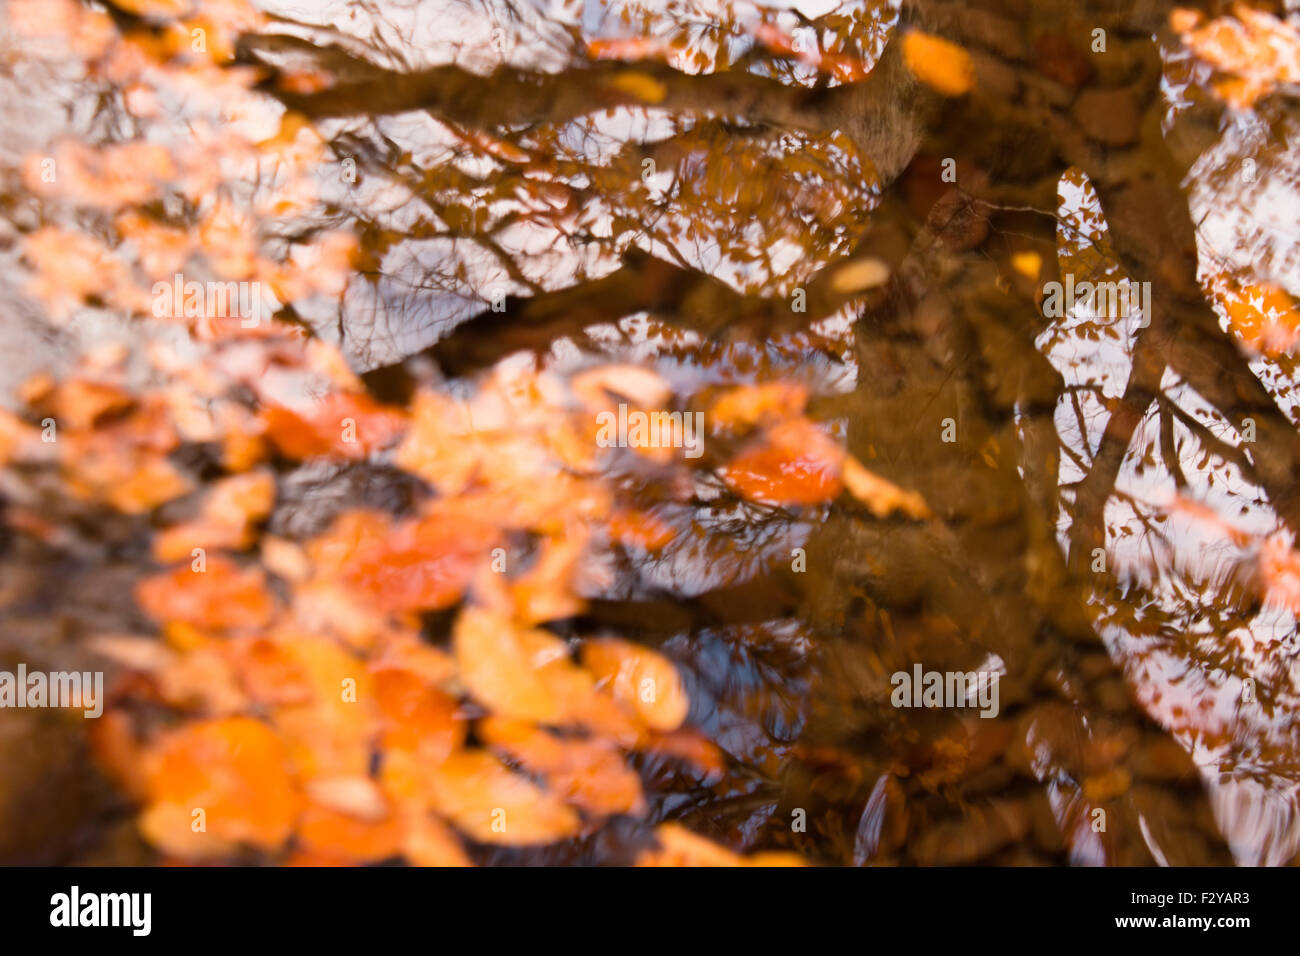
x,y
1108,544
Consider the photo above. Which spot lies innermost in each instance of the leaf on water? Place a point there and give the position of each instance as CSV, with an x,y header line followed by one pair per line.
x,y
82,404
944,67
1279,570
269,672
640,679
747,405
512,671
415,717
640,529
428,842
1028,263
642,86
629,48
230,510
146,655
882,497
356,797
590,774
795,463
678,846
416,565
235,770
221,597
545,592
859,276
1264,314
630,383
326,830
330,735
157,9
342,425
689,745
492,804
1256,50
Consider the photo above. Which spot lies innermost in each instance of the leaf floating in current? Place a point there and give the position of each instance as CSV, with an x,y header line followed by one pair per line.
x,y
235,771
943,66
643,86
796,463
882,497
859,276
640,678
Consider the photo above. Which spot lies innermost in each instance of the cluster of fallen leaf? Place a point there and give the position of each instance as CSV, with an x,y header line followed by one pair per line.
x,y
293,709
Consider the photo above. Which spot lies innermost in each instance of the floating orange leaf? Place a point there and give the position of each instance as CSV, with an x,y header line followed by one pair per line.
x,y
492,804
755,404
689,745
342,425
512,671
234,770
270,673
1264,314
859,275
680,847
427,842
590,774
640,528
328,831
641,679
81,404
416,565
231,508
1279,568
642,86
356,797
629,48
796,463
416,717
943,66
223,596
331,735
545,592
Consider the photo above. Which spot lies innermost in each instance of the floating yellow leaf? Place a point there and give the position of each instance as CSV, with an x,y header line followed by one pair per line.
x,y
859,276
641,85
944,67
1028,264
